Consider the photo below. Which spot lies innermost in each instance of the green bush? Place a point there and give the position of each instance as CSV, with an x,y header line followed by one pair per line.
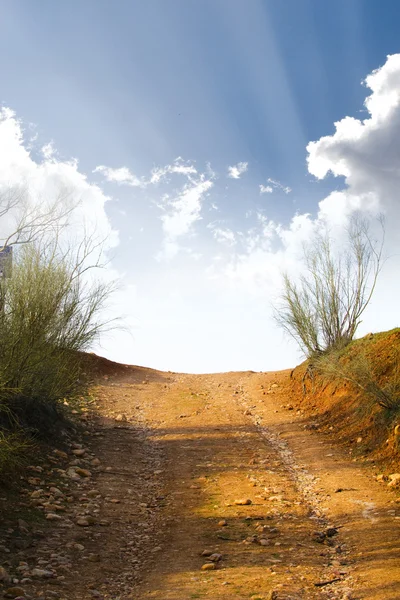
x,y
49,312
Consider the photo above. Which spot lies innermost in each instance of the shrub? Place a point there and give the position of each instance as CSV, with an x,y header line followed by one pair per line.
x,y
323,310
49,312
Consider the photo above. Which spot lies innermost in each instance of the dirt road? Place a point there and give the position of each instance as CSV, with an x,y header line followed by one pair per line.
x,y
212,487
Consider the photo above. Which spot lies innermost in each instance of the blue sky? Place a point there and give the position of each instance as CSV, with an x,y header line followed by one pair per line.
x,y
219,83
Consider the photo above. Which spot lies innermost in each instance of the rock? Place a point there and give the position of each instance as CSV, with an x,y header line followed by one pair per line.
x,y
79,452
86,521
276,498
397,430
243,502
34,480
14,592
205,567
222,523
82,522
53,517
94,558
4,576
381,477
56,492
42,573
72,474
120,418
206,553
37,494
79,547
83,472
95,462
394,480
60,454
215,557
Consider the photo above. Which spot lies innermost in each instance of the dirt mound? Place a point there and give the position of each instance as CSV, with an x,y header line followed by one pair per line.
x,y
341,408
100,368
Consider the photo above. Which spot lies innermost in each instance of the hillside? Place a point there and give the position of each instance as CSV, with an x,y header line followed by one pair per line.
x,y
229,486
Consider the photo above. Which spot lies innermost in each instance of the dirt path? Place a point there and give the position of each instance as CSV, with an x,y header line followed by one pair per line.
x,y
192,465
223,439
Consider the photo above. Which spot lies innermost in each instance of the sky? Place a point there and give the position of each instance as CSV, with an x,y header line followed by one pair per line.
x,y
205,142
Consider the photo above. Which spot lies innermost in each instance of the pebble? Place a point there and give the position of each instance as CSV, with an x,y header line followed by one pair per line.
x,y
222,523
14,592
394,480
121,417
4,576
243,502
215,557
83,472
208,567
79,452
82,522
53,517
42,573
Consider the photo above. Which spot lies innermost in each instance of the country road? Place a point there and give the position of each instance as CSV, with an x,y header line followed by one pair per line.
x,y
207,486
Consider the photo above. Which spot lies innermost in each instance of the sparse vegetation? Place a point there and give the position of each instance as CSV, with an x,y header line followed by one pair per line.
x,y
50,305
48,314
379,383
323,310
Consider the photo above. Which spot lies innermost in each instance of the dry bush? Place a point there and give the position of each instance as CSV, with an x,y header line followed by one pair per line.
x,y
323,310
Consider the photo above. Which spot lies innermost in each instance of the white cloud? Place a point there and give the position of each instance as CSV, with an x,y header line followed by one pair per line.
x,y
236,171
277,185
223,235
178,167
366,153
266,189
121,176
48,151
39,183
181,213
